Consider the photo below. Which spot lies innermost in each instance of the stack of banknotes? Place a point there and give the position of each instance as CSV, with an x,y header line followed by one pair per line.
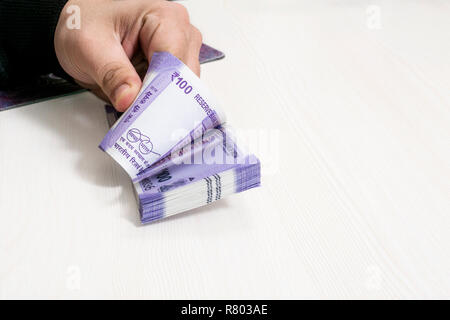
x,y
175,145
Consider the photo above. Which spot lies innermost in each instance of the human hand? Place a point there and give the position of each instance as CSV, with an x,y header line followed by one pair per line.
x,y
112,33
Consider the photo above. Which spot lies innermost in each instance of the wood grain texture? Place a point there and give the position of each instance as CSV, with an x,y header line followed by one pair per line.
x,y
355,198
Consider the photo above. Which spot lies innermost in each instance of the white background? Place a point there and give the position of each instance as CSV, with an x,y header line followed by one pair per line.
x,y
355,196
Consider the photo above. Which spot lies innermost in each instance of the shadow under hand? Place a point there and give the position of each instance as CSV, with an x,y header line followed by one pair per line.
x,y
80,122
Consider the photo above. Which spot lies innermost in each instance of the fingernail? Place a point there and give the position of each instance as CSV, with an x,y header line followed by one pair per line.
x,y
120,93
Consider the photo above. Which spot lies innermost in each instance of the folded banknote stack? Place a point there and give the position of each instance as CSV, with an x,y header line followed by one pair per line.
x,y
174,144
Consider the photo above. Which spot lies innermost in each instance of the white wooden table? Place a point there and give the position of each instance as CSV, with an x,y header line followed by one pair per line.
x,y
355,96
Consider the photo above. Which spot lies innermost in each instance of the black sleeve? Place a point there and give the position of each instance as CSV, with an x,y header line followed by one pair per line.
x,y
27,28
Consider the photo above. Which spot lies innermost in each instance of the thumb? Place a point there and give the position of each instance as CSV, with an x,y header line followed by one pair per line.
x,y
113,72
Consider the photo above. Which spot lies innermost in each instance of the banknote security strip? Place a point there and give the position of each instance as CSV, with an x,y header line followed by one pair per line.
x,y
170,174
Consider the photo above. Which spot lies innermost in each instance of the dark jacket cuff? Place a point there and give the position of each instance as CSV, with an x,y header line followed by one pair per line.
x,y
27,29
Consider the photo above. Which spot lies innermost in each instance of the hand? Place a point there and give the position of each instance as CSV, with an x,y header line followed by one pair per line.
x,y
112,33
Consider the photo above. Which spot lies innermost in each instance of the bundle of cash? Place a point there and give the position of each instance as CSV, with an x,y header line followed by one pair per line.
x,y
209,168
174,144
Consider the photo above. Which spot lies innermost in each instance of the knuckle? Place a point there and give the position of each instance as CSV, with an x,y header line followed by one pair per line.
x,y
83,39
83,34
180,10
196,35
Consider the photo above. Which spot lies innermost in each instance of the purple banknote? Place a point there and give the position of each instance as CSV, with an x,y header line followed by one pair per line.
x,y
173,102
185,186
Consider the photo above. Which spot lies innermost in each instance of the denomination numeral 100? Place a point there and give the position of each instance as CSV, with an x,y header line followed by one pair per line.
x,y
182,84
